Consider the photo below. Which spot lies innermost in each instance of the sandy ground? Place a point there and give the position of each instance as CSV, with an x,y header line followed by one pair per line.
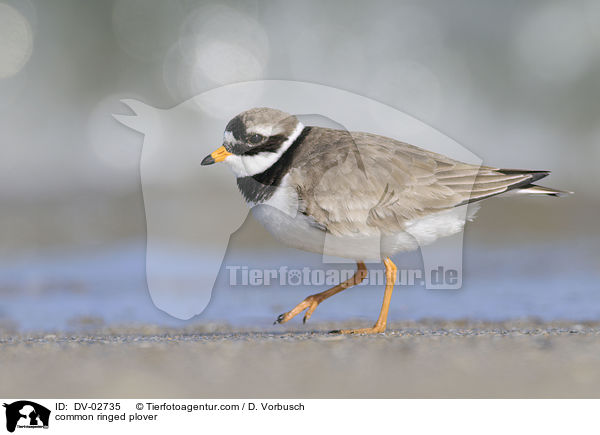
x,y
444,360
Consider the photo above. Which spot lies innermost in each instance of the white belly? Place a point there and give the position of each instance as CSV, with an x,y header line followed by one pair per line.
x,y
279,215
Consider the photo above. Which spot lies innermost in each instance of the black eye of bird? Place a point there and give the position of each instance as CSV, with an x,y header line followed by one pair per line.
x,y
255,138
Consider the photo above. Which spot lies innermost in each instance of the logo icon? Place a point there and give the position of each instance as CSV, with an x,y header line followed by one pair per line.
x,y
26,414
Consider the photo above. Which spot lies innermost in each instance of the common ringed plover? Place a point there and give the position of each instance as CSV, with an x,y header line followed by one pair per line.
x,y
354,195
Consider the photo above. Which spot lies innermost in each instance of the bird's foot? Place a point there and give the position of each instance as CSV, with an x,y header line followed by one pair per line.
x,y
309,304
377,329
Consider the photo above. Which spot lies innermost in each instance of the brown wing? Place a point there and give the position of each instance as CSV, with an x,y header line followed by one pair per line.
x,y
351,183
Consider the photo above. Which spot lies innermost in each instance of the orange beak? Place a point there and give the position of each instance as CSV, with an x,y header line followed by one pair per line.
x,y
216,156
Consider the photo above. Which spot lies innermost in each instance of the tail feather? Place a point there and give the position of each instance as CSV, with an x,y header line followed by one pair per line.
x,y
535,175
528,187
534,189
516,181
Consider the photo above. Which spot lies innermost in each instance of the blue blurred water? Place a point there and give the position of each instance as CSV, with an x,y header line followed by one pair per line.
x,y
66,291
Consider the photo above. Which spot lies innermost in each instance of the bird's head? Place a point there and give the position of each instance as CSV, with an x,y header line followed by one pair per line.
x,y
255,139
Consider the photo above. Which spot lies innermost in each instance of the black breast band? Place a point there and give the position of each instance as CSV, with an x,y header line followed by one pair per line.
x,y
260,187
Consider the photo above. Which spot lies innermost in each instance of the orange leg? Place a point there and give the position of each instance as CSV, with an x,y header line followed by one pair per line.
x,y
312,301
380,325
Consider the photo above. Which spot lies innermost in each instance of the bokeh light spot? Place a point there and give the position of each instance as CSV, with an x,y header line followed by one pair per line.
x,y
217,45
16,41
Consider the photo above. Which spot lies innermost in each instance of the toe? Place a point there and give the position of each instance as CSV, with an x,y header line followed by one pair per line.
x,y
280,319
307,315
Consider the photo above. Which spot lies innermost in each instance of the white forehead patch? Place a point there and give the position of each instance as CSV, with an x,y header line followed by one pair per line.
x,y
228,137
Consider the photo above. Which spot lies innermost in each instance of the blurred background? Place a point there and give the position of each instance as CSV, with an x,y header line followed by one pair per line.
x,y
516,83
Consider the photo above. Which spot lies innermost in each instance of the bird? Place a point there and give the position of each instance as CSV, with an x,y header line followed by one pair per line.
x,y
355,195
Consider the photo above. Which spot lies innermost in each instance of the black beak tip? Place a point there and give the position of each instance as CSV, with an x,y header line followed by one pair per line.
x,y
208,160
